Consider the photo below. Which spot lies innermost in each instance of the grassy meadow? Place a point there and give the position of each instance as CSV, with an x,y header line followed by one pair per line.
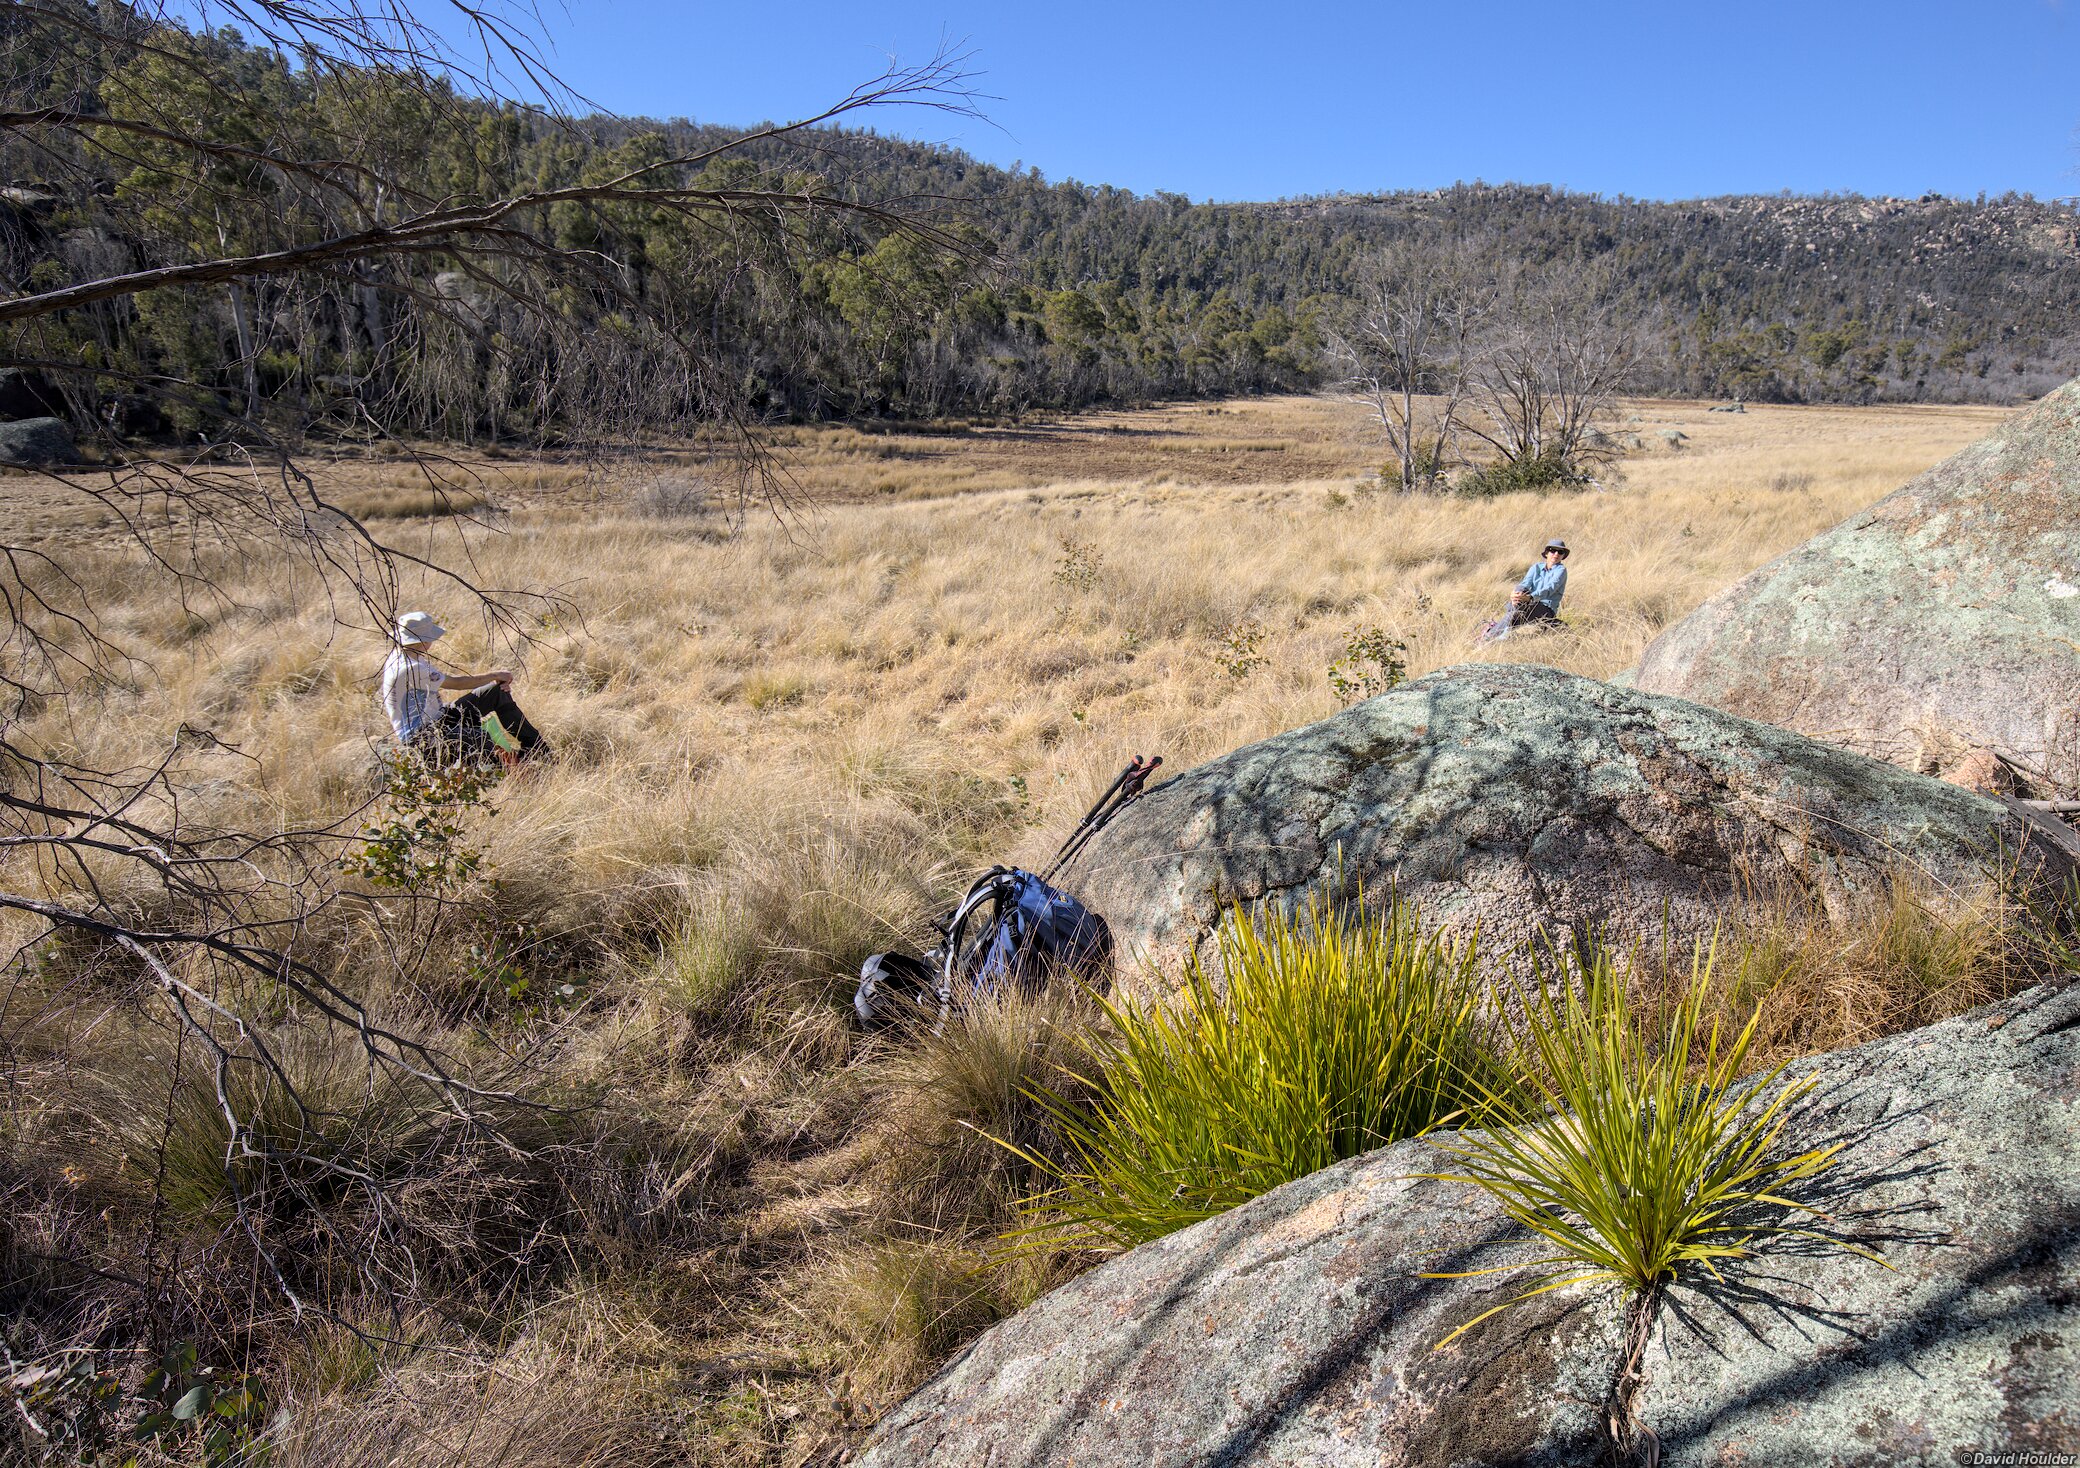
x,y
736,1232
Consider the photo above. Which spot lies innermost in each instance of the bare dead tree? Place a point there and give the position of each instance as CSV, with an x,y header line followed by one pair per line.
x,y
290,190
1549,363
1406,351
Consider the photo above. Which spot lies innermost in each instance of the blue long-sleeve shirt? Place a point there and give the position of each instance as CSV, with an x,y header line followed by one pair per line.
x,y
1545,583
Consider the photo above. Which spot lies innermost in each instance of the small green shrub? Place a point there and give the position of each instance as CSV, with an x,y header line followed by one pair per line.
x,y
1644,1159
222,1418
1330,1036
69,1405
509,968
1077,570
422,842
1238,649
1371,664
1549,470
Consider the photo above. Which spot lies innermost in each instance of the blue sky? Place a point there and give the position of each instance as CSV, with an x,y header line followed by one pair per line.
x,y
1230,101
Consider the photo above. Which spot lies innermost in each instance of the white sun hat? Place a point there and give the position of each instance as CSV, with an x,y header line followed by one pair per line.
x,y
419,627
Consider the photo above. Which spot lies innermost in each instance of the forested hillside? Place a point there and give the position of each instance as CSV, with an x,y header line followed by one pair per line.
x,y
1839,299
1066,295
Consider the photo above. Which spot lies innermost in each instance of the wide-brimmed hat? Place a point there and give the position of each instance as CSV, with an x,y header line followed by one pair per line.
x,y
419,627
1556,543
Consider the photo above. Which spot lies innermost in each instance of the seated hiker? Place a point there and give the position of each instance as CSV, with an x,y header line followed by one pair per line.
x,y
459,730
1537,596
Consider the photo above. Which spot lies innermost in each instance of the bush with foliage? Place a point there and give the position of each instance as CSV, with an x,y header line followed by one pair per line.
x,y
1238,649
422,842
1324,1036
1372,663
1644,1157
1511,476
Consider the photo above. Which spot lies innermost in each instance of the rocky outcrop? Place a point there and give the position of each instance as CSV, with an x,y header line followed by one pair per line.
x,y
34,442
1527,800
1942,620
1298,1329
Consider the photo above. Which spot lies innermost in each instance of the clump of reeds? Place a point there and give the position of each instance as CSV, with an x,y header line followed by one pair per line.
x,y
1648,1152
1324,1036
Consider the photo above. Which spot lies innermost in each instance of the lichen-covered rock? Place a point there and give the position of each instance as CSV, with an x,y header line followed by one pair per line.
x,y
1298,1330
1944,618
1525,800
33,442
1964,1155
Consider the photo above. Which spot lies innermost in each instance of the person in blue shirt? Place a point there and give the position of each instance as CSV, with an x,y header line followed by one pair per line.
x,y
1537,597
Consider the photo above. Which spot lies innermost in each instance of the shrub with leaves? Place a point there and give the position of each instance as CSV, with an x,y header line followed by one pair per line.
x,y
1326,1036
67,1406
1645,1159
1238,649
515,967
1077,570
187,1405
422,842
1549,470
1371,664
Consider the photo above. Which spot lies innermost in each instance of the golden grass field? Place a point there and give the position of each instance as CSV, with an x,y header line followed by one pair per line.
x,y
786,741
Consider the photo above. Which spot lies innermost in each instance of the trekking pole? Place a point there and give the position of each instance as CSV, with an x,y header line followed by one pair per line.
x,y
1127,789
1118,780
1092,814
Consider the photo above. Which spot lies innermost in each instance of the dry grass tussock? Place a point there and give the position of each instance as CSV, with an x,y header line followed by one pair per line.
x,y
735,1232
1915,956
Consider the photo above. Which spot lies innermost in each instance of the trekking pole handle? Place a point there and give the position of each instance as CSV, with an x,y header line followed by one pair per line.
x,y
1128,788
1110,790
1092,814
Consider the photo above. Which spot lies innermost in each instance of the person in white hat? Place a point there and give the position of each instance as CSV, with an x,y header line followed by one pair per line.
x,y
412,688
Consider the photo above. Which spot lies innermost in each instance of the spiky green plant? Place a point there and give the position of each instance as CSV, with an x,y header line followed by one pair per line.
x,y
1644,1158
1326,1037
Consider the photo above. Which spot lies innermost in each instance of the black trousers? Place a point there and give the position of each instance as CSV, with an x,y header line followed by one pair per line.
x,y
461,725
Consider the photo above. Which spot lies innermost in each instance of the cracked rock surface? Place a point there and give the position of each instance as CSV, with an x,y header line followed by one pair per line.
x,y
1963,1157
1296,1330
1527,800
1942,619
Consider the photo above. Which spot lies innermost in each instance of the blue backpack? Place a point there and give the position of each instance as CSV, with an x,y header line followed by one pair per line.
x,y
1031,932
1011,929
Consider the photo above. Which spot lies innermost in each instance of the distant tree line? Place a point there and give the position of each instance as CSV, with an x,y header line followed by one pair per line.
x,y
1775,299
1014,293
